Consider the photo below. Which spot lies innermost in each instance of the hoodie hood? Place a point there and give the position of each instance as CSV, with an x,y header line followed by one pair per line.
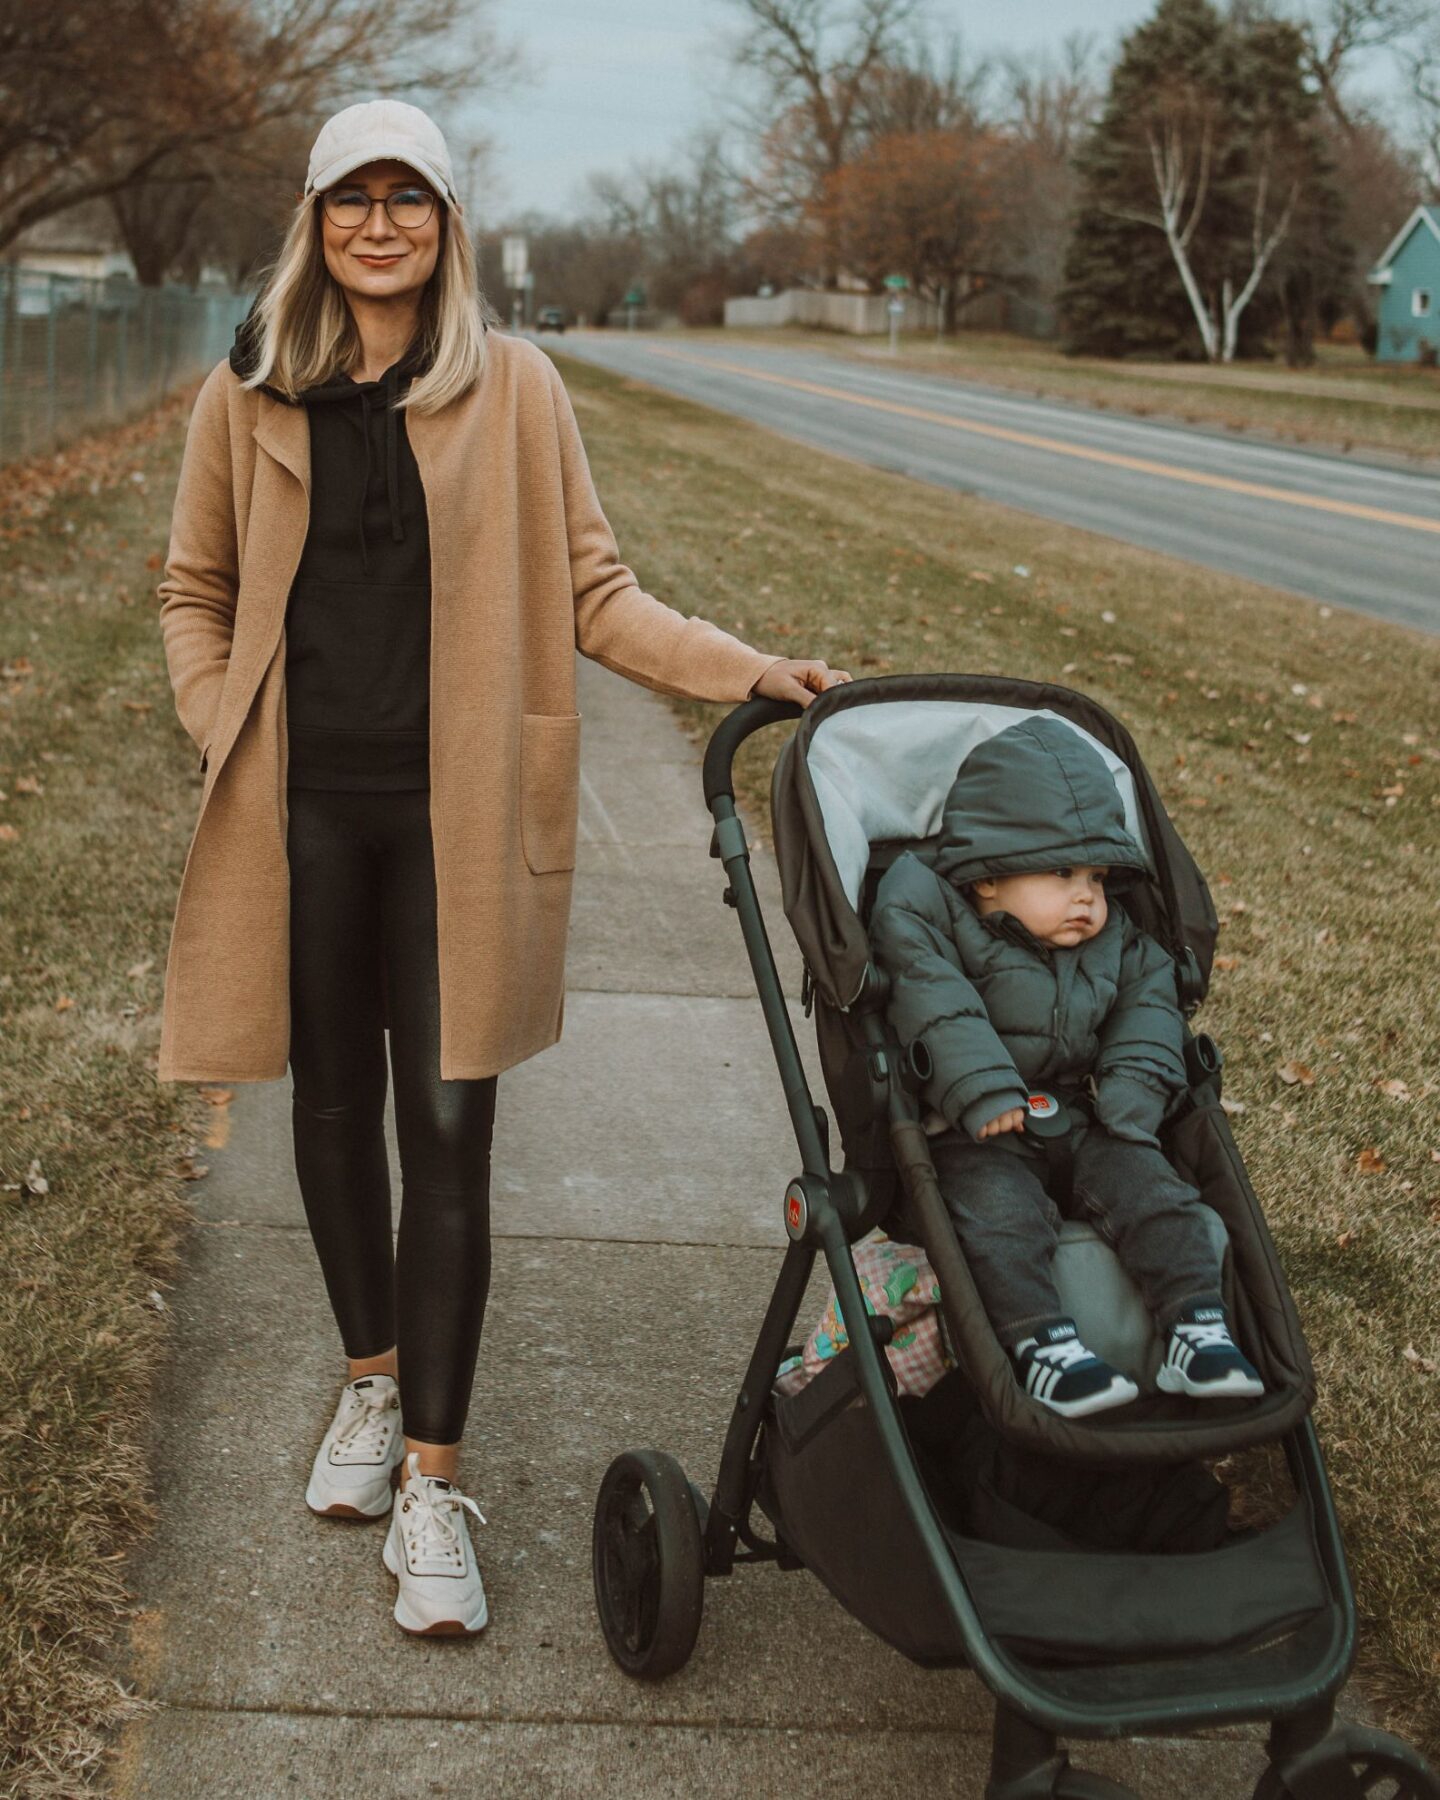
x,y
362,398
1035,796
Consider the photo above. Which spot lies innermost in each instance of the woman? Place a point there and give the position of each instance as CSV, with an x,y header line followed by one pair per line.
x,y
385,549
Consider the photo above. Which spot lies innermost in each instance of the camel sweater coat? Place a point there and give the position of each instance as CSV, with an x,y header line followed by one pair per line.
x,y
524,569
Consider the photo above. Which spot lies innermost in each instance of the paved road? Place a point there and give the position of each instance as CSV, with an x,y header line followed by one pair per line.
x,y
1331,528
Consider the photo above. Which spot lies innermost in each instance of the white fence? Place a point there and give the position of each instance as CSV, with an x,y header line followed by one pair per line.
x,y
863,314
866,315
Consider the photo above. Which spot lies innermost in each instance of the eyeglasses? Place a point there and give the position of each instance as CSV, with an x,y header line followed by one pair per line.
x,y
409,208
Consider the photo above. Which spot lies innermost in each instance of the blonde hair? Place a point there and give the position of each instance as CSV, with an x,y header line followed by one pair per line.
x,y
306,334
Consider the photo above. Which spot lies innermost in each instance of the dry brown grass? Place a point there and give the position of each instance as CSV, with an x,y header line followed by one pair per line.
x,y
98,793
1297,748
1327,881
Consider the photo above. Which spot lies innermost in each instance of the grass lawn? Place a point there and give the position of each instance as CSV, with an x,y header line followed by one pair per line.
x,y
1298,749
1346,400
97,796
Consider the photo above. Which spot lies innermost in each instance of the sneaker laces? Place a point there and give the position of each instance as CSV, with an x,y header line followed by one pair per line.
x,y
1063,1354
366,1429
428,1517
1203,1335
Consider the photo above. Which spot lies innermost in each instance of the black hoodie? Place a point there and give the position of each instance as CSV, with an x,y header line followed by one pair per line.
x,y
357,622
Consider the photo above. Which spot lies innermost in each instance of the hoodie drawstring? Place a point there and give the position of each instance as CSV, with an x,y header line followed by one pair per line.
x,y
365,484
392,465
392,458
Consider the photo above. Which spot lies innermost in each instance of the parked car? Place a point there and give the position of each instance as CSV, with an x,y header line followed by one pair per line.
x,y
550,318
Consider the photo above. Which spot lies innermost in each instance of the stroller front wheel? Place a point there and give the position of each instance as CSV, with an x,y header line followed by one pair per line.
x,y
1354,1761
649,1564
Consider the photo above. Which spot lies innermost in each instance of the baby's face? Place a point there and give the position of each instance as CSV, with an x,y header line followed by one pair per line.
x,y
1063,907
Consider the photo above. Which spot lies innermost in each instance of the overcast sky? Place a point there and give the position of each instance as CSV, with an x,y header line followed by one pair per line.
x,y
623,80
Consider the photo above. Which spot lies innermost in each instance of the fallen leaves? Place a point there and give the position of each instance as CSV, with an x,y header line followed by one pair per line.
x,y
1296,1073
1422,1365
1370,1161
34,1182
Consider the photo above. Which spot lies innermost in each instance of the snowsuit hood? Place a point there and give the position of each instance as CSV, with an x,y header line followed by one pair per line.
x,y
1034,797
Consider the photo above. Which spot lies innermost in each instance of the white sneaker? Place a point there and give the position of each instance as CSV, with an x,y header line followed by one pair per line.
x,y
428,1549
350,1478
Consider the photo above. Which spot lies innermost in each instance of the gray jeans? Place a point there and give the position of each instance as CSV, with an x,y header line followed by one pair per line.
x,y
1007,1225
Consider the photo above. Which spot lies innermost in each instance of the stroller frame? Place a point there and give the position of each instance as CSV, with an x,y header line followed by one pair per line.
x,y
825,1211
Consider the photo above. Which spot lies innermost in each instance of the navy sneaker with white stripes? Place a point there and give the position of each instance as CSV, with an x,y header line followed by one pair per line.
x,y
1056,1369
1202,1359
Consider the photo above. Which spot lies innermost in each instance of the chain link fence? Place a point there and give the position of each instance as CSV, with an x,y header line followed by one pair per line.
x,y
76,351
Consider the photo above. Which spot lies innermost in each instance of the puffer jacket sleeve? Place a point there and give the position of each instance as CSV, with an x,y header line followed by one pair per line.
x,y
618,624
974,1078
202,566
1141,1064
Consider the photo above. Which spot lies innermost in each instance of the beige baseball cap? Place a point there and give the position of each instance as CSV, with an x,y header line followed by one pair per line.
x,y
375,129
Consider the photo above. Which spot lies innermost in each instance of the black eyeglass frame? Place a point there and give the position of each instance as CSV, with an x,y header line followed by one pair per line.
x,y
378,200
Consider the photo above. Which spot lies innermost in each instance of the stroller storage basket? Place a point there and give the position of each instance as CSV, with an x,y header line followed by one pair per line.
x,y
855,1532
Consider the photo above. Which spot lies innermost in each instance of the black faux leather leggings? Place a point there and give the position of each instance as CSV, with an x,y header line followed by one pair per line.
x,y
362,910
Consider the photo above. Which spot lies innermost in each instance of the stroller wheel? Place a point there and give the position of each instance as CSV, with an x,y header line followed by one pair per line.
x,y
1353,1763
649,1564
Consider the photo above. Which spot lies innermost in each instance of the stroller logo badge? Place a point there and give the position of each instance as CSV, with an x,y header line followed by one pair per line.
x,y
1043,1106
797,1211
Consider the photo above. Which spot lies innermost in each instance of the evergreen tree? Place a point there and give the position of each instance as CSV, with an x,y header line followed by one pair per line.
x,y
1203,192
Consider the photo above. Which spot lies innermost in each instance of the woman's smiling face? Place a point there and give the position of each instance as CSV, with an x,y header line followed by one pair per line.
x,y
379,259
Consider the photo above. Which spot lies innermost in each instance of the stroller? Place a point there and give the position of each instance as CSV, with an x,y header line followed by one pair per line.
x,y
855,1480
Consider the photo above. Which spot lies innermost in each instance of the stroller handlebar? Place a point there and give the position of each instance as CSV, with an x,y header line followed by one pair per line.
x,y
730,733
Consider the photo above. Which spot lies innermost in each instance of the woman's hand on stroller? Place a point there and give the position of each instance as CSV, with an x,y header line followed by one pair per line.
x,y
796,680
1011,1120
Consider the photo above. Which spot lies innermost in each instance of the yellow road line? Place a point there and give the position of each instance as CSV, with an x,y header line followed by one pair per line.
x,y
1137,464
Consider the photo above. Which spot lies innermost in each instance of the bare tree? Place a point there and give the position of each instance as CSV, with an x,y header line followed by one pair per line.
x,y
919,89
104,94
808,64
1048,104
683,220
1052,98
1340,30
1422,64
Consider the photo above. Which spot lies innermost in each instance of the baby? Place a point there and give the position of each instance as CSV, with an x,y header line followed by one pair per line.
x,y
1021,977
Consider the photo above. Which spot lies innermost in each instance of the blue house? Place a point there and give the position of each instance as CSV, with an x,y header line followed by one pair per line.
x,y
1408,275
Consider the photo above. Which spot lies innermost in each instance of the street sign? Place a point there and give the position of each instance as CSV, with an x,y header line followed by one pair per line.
x,y
636,297
897,281
515,253
895,306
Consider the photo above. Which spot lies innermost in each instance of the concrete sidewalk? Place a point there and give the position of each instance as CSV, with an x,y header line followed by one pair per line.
x,y
638,1170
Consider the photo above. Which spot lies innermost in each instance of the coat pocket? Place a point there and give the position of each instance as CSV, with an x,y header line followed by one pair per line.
x,y
549,789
